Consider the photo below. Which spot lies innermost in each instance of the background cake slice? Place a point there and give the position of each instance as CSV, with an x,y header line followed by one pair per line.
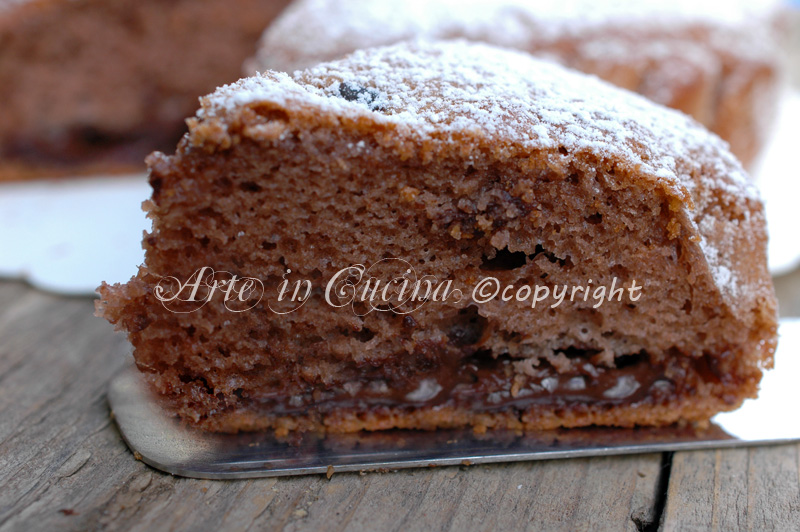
x,y
719,61
90,85
466,162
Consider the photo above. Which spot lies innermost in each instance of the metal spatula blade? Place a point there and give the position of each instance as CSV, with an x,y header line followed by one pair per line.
x,y
165,443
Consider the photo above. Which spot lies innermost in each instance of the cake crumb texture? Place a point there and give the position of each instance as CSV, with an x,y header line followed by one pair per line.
x,y
469,161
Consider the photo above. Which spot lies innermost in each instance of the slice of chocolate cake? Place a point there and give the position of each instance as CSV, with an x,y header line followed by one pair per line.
x,y
91,85
447,234
717,60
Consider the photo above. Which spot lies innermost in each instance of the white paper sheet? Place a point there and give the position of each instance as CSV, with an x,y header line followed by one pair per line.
x,y
778,177
67,235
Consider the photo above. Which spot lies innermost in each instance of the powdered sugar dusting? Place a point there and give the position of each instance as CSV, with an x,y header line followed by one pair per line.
x,y
441,91
315,30
9,4
456,86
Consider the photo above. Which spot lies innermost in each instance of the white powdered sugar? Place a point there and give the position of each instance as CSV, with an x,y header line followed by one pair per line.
x,y
310,31
442,90
457,86
7,5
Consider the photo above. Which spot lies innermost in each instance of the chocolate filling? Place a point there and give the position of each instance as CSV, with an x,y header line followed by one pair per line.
x,y
483,383
78,145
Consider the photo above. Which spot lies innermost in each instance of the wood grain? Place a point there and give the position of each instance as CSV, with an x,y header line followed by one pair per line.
x,y
63,465
737,489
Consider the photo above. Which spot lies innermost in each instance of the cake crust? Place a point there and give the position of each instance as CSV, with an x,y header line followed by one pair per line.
x,y
471,161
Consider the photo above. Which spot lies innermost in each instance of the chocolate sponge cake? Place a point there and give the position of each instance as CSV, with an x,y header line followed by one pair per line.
x,y
90,85
505,183
718,61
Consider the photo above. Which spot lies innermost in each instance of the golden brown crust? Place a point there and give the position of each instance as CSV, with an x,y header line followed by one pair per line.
x,y
585,415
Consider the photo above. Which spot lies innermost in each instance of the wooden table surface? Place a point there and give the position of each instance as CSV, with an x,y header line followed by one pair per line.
x,y
63,465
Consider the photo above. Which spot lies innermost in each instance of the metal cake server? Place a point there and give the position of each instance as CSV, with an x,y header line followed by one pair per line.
x,y
165,443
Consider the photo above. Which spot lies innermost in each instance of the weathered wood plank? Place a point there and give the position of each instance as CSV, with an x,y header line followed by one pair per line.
x,y
739,489
9,293
735,489
63,465
556,495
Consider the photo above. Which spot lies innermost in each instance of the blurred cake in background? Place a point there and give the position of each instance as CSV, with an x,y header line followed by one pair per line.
x,y
89,85
719,61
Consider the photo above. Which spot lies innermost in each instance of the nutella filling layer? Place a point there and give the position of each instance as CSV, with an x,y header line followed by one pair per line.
x,y
485,384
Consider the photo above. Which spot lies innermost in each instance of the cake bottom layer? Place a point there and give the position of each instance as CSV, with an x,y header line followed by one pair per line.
x,y
84,150
481,392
